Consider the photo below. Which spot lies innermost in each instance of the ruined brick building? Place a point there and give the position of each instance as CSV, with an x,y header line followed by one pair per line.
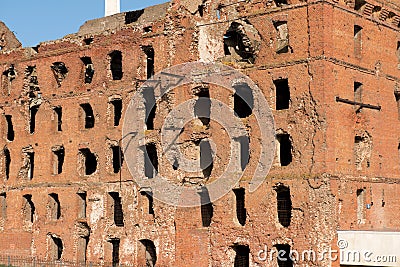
x,y
329,70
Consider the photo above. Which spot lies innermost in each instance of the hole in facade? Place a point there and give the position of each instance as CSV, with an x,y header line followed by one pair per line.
x,y
88,115
207,209
33,110
28,209
117,158
58,159
357,40
58,115
88,160
150,105
3,206
282,94
60,72
283,253
202,107
284,149
358,92
284,205
149,51
206,158
240,205
151,160
10,128
282,38
88,69
243,100
54,207
116,208
7,162
116,65
115,252
238,45
56,248
82,205
242,256
117,110
133,16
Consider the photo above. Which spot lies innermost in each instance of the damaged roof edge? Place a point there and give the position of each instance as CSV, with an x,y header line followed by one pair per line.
x,y
147,15
8,40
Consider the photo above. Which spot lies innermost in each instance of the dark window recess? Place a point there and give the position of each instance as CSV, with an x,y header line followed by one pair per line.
x,y
57,248
280,2
115,252
207,209
202,108
54,207
3,206
10,128
32,122
88,41
59,155
82,205
283,258
282,94
60,72
359,4
237,44
357,92
148,29
88,69
243,100
117,209
201,10
244,142
282,38
90,161
133,16
116,65
285,149
150,105
117,158
150,252
58,113
30,158
7,162
240,205
82,250
242,256
117,108
150,200
398,52
206,158
28,208
357,40
31,81
8,76
151,160
397,97
149,51
284,205
89,116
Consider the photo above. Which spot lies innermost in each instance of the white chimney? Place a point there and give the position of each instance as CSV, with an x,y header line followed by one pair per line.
x,y
112,7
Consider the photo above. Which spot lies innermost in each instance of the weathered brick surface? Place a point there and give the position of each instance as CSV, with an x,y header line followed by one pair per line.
x,y
323,177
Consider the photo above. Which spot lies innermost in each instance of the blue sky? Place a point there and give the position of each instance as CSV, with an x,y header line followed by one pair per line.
x,y
43,20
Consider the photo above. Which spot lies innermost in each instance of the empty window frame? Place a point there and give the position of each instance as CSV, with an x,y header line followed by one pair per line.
x,y
240,205
242,258
280,2
284,149
88,41
283,255
358,92
150,160
397,98
236,43
54,207
202,108
357,41
28,208
88,69
398,53
206,158
58,159
359,4
150,254
3,206
88,161
282,38
116,209
207,209
88,115
244,142
32,118
116,65
243,101
115,252
10,128
151,106
82,205
284,205
116,110
149,51
58,115
117,158
7,162
56,248
360,205
149,197
8,76
60,72
28,163
282,94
